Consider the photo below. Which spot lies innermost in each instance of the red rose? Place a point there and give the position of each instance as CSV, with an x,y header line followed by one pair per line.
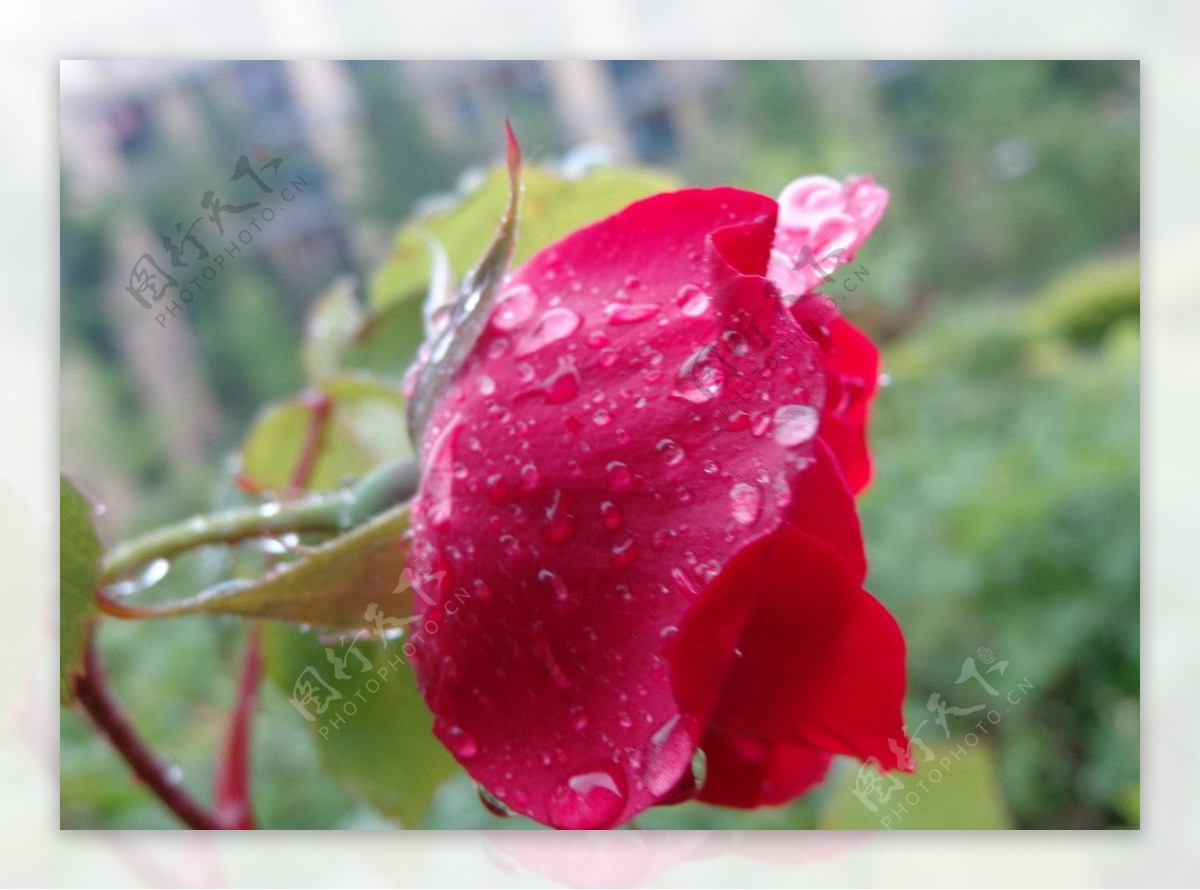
x,y
639,488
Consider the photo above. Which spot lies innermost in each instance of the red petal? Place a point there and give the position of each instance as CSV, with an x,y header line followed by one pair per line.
x,y
787,649
745,772
637,412
852,368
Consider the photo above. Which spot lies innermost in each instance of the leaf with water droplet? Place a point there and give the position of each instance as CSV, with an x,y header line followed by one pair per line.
x,y
78,570
331,586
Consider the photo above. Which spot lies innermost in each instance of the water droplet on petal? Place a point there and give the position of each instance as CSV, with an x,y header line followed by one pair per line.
x,y
560,526
631,314
619,476
554,325
579,720
795,424
487,385
746,502
611,514
554,584
497,488
693,302
563,385
624,553
671,453
670,746
597,340
592,799
461,744
530,478
492,803
514,307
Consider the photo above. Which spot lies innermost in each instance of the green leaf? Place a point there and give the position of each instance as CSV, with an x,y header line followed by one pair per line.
x,y
331,586
365,428
376,736
78,567
334,322
954,789
554,205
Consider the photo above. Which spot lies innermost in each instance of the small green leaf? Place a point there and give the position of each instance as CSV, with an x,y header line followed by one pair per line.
x,y
365,428
956,788
371,726
331,586
553,206
78,567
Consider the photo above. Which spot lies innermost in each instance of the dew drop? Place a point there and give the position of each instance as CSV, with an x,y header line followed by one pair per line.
x,y
671,453
461,744
563,385
487,385
497,488
530,478
554,584
579,719
624,553
631,314
492,803
483,593
619,476
514,308
795,424
670,747
693,302
746,502
610,513
554,325
597,340
592,799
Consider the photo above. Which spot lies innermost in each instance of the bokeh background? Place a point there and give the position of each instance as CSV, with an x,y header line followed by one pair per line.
x,y
1003,286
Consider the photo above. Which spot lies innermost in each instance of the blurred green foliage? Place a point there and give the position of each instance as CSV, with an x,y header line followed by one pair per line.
x,y
1005,509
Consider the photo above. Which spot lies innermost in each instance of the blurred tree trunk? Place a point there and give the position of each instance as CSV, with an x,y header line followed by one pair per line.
x,y
588,105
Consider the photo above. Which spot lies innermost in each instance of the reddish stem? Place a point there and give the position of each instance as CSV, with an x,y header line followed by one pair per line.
x,y
231,781
319,404
91,690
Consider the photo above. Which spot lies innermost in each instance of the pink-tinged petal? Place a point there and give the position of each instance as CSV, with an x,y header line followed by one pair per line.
x,y
786,648
746,772
852,377
589,473
822,224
